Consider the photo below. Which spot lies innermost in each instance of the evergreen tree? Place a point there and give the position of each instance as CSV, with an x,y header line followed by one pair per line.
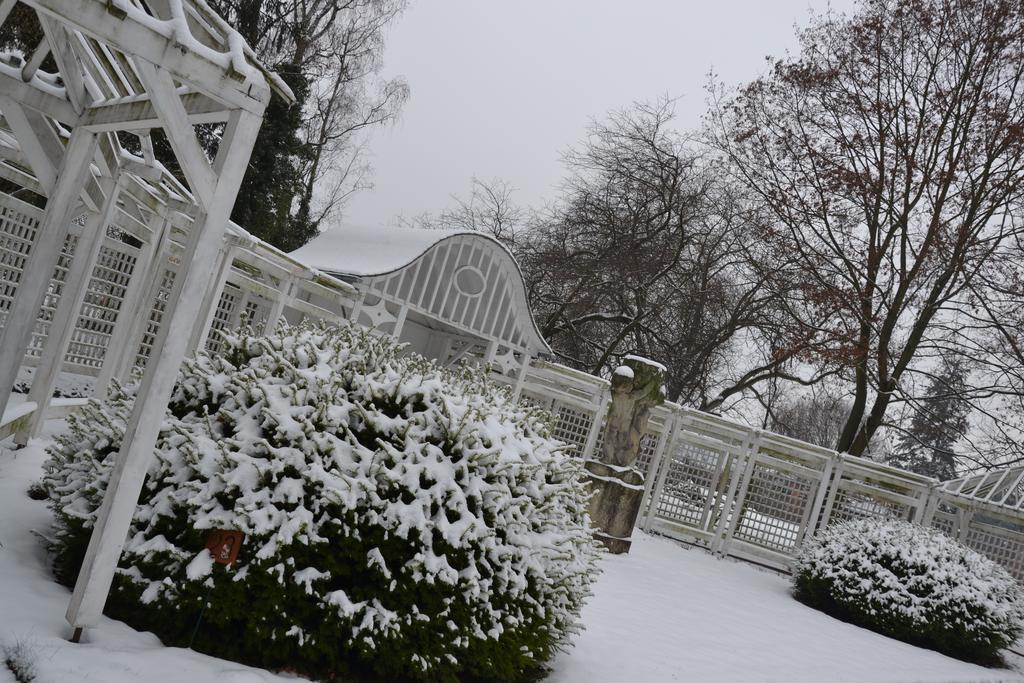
x,y
939,421
274,175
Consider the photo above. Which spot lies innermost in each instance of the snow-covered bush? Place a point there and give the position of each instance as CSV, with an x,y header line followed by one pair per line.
x,y
400,519
911,583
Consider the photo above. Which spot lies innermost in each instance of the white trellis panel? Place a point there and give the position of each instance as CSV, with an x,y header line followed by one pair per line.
x,y
115,266
223,316
156,316
18,224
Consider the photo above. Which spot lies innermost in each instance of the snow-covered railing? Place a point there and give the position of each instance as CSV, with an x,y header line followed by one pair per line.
x,y
757,495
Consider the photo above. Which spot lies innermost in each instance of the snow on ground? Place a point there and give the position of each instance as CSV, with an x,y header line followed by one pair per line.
x,y
32,607
667,612
662,613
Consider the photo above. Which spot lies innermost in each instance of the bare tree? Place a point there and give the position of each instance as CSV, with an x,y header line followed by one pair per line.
x,y
888,156
647,251
488,208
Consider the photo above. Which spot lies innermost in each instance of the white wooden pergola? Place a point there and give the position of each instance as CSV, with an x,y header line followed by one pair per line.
x,y
450,295
123,68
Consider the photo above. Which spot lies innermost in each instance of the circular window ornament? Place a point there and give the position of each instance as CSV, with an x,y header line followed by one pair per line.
x,y
469,281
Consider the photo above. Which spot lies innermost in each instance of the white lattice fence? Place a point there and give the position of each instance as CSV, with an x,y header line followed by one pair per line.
x,y
18,224
752,494
223,316
156,315
115,265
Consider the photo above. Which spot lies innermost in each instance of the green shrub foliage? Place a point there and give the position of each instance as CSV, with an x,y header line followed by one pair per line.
x,y
911,583
401,520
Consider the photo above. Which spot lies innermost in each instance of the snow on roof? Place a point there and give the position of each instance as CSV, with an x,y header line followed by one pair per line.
x,y
351,250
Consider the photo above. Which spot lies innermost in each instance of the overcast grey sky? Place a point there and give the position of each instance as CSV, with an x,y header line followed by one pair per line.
x,y
501,89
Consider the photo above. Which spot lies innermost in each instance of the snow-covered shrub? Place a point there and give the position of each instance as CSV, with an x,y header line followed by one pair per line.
x,y
911,583
400,519
20,660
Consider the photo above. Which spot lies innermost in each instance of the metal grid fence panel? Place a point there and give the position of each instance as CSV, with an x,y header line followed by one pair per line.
x,y
774,507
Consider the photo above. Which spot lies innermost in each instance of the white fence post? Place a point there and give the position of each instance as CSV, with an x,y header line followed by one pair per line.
x,y
658,469
833,489
141,316
596,425
211,298
810,523
728,521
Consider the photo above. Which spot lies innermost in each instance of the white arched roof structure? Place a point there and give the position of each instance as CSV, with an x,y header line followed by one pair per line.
x,y
449,294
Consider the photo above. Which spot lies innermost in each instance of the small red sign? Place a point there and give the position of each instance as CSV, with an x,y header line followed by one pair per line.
x,y
224,544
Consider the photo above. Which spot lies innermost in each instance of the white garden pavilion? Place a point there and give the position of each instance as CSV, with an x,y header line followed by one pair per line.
x,y
450,295
123,68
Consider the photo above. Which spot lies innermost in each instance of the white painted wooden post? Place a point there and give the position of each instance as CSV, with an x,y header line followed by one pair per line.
x,y
143,314
833,490
659,467
737,493
810,522
198,263
239,310
43,258
517,389
596,424
133,305
211,298
400,321
357,308
923,500
491,351
65,317
931,505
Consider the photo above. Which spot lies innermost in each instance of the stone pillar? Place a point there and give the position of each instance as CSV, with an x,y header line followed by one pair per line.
x,y
637,386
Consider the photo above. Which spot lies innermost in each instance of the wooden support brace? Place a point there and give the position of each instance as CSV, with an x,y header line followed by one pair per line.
x,y
181,135
211,298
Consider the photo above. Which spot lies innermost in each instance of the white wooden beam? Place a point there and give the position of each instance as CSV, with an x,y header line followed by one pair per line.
x,y
38,55
42,259
65,317
277,308
67,61
32,145
118,364
115,514
139,40
5,9
210,299
137,114
32,97
181,135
